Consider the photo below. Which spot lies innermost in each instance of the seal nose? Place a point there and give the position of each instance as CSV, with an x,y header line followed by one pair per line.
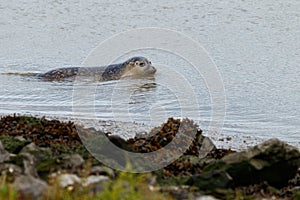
x,y
154,69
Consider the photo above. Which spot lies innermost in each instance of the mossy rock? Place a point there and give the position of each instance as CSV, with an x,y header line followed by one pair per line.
x,y
171,181
16,160
13,145
211,180
273,161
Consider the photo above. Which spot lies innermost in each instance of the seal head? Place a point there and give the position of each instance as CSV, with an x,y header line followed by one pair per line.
x,y
135,66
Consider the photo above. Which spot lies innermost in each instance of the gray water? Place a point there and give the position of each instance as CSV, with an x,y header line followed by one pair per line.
x,y
255,45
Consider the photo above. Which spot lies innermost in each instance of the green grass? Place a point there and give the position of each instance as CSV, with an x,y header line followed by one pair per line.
x,y
126,186
129,186
7,192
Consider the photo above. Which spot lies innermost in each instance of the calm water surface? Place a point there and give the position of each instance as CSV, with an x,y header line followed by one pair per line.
x,y
255,45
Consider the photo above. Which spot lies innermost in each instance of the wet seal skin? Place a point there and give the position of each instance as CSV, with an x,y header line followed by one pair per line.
x,y
135,66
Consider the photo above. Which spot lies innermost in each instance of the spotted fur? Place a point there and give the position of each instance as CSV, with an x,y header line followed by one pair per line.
x,y
132,66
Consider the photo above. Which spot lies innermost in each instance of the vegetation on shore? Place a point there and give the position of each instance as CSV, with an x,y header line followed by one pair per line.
x,y
66,169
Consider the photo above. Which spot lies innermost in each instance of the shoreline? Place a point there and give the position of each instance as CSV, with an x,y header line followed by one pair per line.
x,y
236,141
56,152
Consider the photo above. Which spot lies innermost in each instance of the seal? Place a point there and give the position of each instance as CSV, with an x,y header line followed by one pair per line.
x,y
135,66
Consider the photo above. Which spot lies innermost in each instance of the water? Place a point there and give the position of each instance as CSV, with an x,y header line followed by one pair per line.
x,y
255,45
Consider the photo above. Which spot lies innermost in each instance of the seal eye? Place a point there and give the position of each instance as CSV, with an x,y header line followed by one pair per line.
x,y
142,64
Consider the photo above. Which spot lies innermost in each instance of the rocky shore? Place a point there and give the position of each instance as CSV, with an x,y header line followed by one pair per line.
x,y
46,159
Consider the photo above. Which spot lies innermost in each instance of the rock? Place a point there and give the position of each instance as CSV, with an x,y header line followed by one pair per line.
x,y
206,197
119,142
11,171
38,152
68,179
211,180
94,180
172,180
273,161
73,161
13,144
102,170
30,148
206,146
21,138
30,187
95,183
176,192
29,163
39,159
97,144
4,155
11,168
32,156
35,150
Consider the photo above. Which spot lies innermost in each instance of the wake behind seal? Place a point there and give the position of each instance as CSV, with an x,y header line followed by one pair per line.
x,y
135,66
